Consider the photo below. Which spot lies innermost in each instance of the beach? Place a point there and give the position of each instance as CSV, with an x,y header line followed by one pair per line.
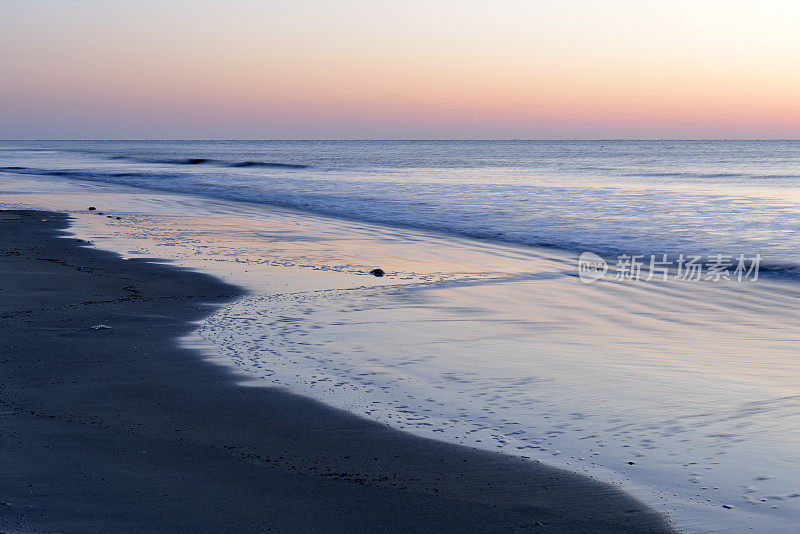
x,y
679,393
120,429
388,267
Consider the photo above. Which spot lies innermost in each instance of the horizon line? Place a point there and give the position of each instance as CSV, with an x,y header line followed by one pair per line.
x,y
390,139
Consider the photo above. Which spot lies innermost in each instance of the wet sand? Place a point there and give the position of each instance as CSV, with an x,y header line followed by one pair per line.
x,y
121,429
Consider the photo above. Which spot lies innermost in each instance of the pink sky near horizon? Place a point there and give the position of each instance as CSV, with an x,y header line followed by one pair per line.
x,y
512,69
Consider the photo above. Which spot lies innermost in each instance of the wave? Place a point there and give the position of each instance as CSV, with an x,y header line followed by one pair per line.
x,y
209,161
190,161
695,175
85,175
410,213
268,164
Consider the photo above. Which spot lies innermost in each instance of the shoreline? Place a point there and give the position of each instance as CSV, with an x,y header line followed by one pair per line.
x,y
123,429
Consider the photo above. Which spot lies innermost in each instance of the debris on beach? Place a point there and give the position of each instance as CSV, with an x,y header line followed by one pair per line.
x,y
92,208
377,272
101,327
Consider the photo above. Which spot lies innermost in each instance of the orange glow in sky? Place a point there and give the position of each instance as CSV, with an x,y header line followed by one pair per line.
x,y
359,69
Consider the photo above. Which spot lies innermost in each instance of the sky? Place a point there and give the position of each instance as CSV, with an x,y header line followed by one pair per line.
x,y
302,69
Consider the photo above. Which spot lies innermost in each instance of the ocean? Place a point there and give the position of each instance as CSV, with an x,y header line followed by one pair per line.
x,y
612,197
682,391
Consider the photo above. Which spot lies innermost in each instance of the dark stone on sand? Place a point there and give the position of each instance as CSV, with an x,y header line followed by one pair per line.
x,y
92,208
377,272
